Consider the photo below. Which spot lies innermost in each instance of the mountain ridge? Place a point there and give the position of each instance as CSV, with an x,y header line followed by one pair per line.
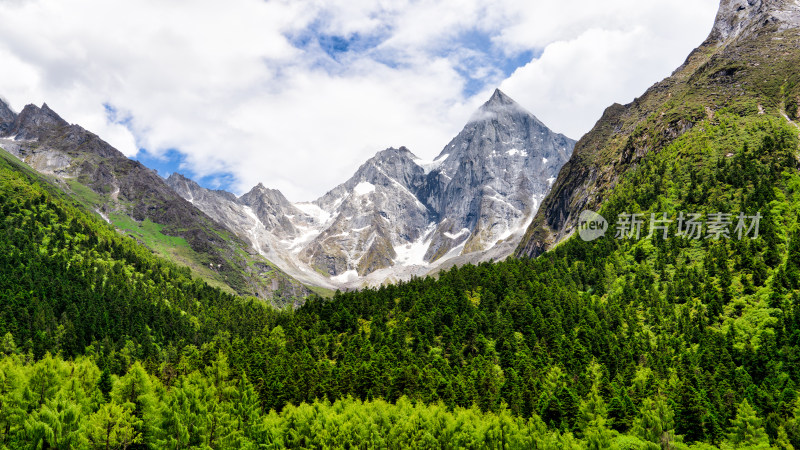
x,y
398,216
140,203
732,69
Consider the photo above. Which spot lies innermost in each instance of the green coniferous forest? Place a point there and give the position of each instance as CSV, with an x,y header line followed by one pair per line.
x,y
614,343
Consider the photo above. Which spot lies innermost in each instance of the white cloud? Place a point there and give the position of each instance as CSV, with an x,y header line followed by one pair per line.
x,y
231,85
606,59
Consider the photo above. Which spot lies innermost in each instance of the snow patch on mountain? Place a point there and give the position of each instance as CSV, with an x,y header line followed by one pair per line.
x,y
318,214
413,253
254,231
515,152
454,236
364,188
430,166
347,277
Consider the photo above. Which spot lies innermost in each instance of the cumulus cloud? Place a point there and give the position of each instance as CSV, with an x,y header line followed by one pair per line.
x,y
604,58
297,94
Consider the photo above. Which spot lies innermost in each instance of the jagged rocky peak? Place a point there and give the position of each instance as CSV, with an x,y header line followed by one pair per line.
x,y
398,164
743,16
262,193
499,101
274,210
190,190
7,117
32,120
392,156
177,179
392,162
498,104
502,128
376,209
390,168
392,152
182,185
492,176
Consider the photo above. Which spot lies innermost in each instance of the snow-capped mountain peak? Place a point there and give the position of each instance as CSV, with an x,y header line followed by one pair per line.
x,y
400,215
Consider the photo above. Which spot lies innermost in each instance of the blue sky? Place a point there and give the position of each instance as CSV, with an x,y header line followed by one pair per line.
x,y
296,94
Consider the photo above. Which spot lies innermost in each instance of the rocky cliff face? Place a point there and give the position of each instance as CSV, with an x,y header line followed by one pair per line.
x,y
125,192
275,212
274,228
372,213
7,118
737,17
492,177
747,65
398,215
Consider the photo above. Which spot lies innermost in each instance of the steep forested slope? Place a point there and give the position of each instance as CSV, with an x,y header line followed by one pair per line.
x,y
749,64
138,201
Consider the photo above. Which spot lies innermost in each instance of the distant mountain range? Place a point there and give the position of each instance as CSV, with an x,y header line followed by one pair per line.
x,y
399,216
140,203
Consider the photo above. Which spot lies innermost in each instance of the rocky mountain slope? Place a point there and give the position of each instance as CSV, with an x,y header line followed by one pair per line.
x,y
492,177
140,203
398,215
746,66
271,225
373,215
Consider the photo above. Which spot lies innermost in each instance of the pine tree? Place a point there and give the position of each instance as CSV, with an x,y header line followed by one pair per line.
x,y
7,345
656,422
593,414
691,413
186,418
782,440
746,430
56,424
12,406
46,379
105,384
113,426
134,391
247,414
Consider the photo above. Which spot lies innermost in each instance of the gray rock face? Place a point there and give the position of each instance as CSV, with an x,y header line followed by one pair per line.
x,y
374,211
274,211
736,17
7,118
492,176
399,216
32,119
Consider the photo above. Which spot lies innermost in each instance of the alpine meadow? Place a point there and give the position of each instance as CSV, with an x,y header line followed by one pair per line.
x,y
638,288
